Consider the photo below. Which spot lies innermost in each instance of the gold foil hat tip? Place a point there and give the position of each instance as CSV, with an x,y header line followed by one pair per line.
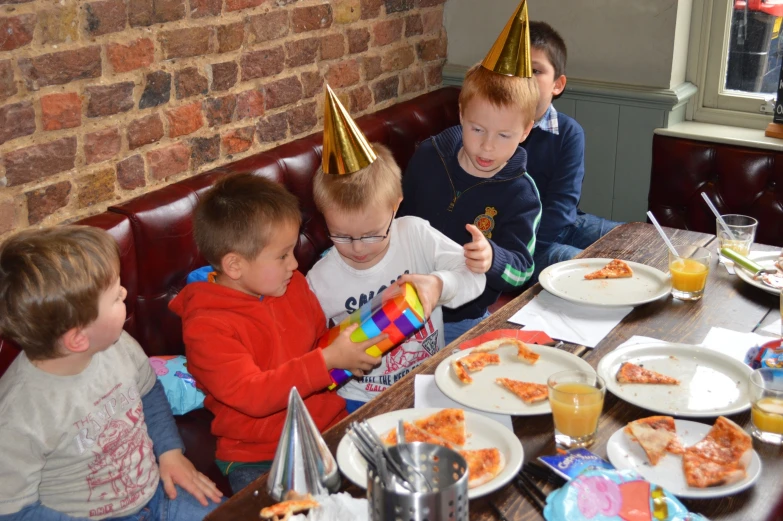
x,y
510,54
346,150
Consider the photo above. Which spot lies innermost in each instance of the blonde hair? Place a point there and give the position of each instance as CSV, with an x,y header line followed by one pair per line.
x,y
500,90
377,185
51,281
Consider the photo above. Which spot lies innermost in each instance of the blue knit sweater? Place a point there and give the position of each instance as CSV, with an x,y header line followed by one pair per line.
x,y
505,207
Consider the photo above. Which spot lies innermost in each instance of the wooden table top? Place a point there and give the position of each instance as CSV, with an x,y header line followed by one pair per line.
x,y
728,302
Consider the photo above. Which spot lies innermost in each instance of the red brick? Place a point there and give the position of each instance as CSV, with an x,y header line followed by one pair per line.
x,y
130,173
430,3
135,55
434,75
45,201
371,8
398,59
259,64
37,162
144,131
332,46
432,22
105,100
238,140
396,6
95,188
143,13
7,216
168,161
105,17
16,120
224,75
413,25
311,18
230,36
59,24
59,68
181,43
250,104
272,128
302,52
433,49
202,8
343,74
189,82
283,92
312,83
220,111
59,111
236,5
413,81
185,120
387,31
361,98
16,31
385,89
101,145
7,83
302,118
371,65
268,26
346,11
358,40
204,150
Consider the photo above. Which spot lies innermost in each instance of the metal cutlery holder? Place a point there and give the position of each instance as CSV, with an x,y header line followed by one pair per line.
x,y
444,468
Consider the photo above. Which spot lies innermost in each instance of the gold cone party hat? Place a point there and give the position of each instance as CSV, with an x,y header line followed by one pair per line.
x,y
346,150
510,55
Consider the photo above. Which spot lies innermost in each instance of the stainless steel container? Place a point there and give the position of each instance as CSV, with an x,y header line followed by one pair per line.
x,y
447,472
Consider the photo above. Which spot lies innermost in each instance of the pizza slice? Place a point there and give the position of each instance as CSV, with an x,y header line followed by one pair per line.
x,y
448,424
657,435
413,433
616,269
460,371
528,392
524,352
721,458
630,373
286,509
475,362
483,465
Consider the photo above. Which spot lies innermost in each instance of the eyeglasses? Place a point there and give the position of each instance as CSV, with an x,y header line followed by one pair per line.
x,y
367,239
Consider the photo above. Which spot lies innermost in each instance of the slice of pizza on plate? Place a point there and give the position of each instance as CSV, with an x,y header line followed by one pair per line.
x,y
657,435
721,458
528,392
483,465
524,352
616,269
448,424
630,373
286,509
460,371
475,362
413,433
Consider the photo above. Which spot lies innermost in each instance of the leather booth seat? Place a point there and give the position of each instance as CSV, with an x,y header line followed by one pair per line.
x,y
740,180
154,232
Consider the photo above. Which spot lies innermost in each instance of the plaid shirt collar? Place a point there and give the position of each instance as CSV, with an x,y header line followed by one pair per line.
x,y
548,122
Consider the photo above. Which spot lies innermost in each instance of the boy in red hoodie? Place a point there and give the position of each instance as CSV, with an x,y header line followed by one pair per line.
x,y
250,331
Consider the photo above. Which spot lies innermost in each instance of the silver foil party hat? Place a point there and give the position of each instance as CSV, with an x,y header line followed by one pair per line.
x,y
302,463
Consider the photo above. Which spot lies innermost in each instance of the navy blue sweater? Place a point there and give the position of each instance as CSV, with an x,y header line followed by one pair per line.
x,y
557,165
505,207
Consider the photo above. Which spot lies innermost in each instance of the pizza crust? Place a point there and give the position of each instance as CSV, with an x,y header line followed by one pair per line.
x,y
524,353
657,435
528,392
286,509
616,269
459,370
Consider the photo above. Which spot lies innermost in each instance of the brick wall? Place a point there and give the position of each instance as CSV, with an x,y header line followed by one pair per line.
x,y
102,101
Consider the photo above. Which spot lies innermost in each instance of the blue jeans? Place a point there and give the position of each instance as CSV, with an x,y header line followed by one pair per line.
x,y
453,330
241,477
572,240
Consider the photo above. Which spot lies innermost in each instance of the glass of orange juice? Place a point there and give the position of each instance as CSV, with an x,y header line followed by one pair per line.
x,y
742,227
689,271
577,398
766,398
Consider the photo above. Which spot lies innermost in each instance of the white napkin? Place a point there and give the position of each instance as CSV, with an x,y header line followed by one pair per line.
x,y
564,320
428,395
773,328
732,343
336,507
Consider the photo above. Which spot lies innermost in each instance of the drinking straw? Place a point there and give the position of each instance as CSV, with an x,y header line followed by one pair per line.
x,y
718,217
663,235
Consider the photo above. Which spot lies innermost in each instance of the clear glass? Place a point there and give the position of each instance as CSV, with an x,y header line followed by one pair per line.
x,y
754,54
689,271
766,398
577,399
744,230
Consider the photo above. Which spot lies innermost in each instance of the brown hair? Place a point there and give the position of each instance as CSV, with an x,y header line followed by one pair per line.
x,y
378,184
238,215
544,37
51,281
500,90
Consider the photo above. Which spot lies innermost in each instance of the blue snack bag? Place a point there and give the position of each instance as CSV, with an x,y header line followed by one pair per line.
x,y
572,463
179,385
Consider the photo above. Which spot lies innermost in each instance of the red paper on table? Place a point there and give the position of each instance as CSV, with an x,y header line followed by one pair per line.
x,y
528,337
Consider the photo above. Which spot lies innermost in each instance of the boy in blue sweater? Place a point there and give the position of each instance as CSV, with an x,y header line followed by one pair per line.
x,y
556,152
470,181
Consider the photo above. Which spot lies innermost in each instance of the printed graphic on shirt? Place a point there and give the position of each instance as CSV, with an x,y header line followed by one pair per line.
x,y
352,304
486,221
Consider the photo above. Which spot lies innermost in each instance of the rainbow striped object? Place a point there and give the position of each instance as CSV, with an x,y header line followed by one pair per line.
x,y
396,311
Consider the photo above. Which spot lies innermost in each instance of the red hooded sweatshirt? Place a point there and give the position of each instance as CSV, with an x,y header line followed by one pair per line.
x,y
246,354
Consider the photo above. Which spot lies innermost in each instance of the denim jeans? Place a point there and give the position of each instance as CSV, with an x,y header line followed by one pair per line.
x,y
241,477
453,330
572,240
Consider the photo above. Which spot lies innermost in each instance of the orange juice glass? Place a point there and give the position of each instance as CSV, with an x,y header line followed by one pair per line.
x,y
577,399
766,398
689,271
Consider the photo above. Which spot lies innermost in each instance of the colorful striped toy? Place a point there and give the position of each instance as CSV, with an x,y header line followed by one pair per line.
x,y
396,311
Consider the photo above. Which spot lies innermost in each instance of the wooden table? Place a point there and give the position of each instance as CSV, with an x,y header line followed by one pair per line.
x,y
728,302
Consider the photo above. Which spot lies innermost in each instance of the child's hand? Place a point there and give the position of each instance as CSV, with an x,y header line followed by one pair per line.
x,y
176,469
429,288
344,353
478,252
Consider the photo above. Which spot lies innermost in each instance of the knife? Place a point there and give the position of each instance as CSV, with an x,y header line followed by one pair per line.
x,y
753,267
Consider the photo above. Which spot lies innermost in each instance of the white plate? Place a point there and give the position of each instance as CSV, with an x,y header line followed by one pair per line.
x,y
567,281
486,395
625,454
766,260
483,433
711,383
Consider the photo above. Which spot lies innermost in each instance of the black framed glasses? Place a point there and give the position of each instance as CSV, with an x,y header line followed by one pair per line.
x,y
367,239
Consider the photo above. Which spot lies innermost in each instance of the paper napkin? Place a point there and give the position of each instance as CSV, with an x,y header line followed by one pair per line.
x,y
773,328
733,343
428,395
578,323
